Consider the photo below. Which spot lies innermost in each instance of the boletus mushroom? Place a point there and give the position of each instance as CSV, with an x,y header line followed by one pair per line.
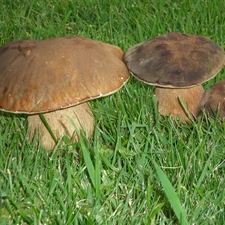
x,y
57,77
213,101
177,64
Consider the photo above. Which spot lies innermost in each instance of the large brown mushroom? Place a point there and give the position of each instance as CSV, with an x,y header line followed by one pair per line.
x,y
213,101
57,77
177,64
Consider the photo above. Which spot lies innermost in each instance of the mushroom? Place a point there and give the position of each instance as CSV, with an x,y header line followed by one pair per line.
x,y
213,100
177,64
57,77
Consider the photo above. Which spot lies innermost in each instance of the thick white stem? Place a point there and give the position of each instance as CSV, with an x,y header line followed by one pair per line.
x,y
60,123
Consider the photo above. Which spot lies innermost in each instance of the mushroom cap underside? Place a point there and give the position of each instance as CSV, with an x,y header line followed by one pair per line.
x,y
175,60
46,75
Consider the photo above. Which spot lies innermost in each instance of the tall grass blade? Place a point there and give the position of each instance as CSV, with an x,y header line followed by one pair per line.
x,y
171,195
88,161
44,121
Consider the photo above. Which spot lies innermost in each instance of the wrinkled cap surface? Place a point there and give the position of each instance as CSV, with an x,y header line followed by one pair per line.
x,y
175,60
46,75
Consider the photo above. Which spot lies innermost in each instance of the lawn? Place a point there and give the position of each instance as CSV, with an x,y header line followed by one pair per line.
x,y
138,168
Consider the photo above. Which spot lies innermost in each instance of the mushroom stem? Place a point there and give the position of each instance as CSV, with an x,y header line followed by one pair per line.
x,y
67,122
169,104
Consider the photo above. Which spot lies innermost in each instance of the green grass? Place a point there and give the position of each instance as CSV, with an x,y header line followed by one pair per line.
x,y
112,178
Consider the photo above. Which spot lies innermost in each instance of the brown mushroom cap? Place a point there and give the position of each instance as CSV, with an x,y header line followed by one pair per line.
x,y
45,75
214,100
175,60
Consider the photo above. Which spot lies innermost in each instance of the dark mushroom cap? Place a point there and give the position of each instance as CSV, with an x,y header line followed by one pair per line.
x,y
175,60
46,75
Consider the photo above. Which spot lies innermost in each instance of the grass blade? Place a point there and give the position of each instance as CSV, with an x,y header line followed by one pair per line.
x,y
185,108
44,121
171,195
88,161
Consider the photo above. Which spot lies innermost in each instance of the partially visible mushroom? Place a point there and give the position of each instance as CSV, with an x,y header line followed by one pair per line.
x,y
213,100
57,77
177,64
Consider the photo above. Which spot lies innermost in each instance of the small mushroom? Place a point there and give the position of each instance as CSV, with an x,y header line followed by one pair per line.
x,y
57,77
177,64
213,100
